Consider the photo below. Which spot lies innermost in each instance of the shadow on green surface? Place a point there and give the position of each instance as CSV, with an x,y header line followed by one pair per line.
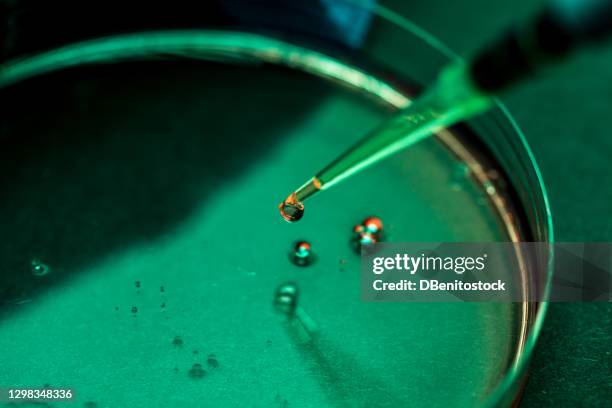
x,y
100,158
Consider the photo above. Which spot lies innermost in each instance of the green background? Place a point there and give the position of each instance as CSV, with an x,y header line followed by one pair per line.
x,y
565,115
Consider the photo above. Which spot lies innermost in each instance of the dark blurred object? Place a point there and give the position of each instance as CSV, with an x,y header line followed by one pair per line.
x,y
28,26
563,26
342,21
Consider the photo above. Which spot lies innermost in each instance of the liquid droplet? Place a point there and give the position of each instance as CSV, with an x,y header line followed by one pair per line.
x,y
178,341
363,241
212,361
373,225
134,310
39,269
291,209
366,234
302,254
197,371
137,283
285,298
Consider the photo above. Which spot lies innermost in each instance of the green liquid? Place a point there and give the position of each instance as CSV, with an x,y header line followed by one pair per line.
x,y
142,178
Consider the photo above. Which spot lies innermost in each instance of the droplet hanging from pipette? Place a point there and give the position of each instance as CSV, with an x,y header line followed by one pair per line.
x,y
291,209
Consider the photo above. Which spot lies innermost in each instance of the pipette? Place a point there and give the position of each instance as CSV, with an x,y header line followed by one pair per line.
x,y
466,89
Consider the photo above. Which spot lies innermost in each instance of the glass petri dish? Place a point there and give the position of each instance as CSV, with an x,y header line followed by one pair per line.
x,y
140,181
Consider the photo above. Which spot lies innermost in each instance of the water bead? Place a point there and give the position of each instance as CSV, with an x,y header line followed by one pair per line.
x,y
212,361
285,298
197,371
302,254
373,225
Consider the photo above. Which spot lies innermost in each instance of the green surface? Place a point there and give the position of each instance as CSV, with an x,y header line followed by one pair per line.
x,y
131,176
571,364
565,115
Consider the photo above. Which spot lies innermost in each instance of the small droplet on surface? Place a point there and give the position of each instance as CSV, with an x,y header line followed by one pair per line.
x,y
161,289
373,225
302,254
363,241
212,361
38,268
137,283
175,369
366,234
197,371
134,309
163,305
291,209
195,351
286,298
90,404
178,341
367,239
117,308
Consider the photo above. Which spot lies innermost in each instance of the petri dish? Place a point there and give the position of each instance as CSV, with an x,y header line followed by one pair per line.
x,y
143,244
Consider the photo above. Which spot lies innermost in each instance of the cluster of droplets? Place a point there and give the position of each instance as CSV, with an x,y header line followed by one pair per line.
x,y
197,370
138,285
366,234
286,297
